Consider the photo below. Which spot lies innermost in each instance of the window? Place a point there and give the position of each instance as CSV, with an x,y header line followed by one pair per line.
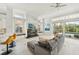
x,y
2,24
72,27
58,27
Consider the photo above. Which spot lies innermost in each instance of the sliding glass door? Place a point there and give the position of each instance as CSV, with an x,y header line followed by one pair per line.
x,y
58,27
2,26
72,29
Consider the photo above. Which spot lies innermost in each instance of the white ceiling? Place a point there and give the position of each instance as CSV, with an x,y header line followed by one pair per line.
x,y
31,8
43,9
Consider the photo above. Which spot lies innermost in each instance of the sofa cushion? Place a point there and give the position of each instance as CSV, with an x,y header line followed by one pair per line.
x,y
44,44
52,44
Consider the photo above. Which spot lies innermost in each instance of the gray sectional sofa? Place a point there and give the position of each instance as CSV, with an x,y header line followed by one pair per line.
x,y
52,48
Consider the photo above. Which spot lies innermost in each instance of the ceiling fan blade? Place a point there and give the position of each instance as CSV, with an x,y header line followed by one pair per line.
x,y
62,5
58,5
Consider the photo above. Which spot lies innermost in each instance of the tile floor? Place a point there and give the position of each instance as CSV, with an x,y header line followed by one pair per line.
x,y
70,47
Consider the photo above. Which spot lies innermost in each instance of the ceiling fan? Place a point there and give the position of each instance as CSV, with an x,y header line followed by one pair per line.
x,y
56,5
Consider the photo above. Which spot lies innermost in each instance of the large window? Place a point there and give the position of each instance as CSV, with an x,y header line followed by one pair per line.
x,y
58,27
72,27
19,26
2,24
3,27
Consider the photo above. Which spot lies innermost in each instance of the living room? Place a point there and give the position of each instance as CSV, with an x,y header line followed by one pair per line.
x,y
27,30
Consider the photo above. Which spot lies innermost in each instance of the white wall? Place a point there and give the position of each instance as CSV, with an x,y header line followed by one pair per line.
x,y
32,20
